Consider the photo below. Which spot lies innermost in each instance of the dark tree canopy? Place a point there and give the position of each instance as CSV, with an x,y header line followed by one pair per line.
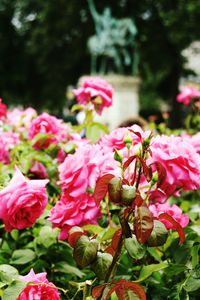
x,y
44,46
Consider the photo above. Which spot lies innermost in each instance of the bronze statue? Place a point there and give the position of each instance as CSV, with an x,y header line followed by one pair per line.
x,y
113,46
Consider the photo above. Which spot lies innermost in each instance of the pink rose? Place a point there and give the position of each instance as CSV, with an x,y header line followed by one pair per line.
x,y
21,119
174,211
115,139
96,91
181,162
77,211
3,109
38,287
49,125
22,202
7,141
80,170
187,94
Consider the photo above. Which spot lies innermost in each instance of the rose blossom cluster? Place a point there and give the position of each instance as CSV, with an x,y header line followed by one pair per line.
x,y
20,119
3,109
22,202
78,175
187,94
95,91
38,287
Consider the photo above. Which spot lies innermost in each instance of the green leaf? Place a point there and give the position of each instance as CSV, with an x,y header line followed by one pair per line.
x,y
77,107
95,131
108,234
158,235
195,255
14,290
63,267
8,273
146,271
192,284
47,236
155,253
22,256
135,249
102,264
95,229
85,251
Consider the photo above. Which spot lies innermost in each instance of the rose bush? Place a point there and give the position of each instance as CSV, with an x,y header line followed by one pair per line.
x,y
116,207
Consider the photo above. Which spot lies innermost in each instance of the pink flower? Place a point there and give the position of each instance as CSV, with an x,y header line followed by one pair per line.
x,y
174,211
38,287
187,94
7,141
115,139
49,125
181,162
96,91
77,211
81,170
21,119
3,109
22,202
38,169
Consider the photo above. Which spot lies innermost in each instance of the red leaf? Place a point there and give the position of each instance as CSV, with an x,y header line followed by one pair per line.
x,y
102,187
122,286
116,238
139,201
165,216
97,290
147,170
73,237
128,162
136,133
110,250
162,174
143,223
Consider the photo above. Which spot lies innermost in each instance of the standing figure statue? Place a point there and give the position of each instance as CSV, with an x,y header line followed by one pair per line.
x,y
112,46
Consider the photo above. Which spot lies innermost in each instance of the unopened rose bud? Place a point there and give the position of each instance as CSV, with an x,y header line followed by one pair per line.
x,y
118,156
158,235
114,189
128,194
128,140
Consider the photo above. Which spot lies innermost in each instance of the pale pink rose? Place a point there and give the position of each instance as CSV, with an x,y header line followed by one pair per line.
x,y
187,94
38,288
194,140
22,202
80,170
20,119
74,211
38,170
172,210
96,91
3,109
115,139
8,140
51,126
181,162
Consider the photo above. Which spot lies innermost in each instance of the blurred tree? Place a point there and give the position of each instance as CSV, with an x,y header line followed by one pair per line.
x,y
44,46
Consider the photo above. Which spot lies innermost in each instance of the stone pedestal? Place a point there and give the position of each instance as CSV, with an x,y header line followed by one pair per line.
x,y
125,101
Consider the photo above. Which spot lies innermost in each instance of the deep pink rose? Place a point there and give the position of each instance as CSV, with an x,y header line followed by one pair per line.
x,y
7,142
38,288
187,94
96,91
172,210
194,140
38,170
77,211
3,109
181,162
22,202
51,126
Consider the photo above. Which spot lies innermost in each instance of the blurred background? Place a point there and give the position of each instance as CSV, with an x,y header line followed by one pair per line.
x,y
44,50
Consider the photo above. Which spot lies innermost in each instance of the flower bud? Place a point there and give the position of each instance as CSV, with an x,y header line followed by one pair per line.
x,y
114,189
158,235
128,140
128,194
118,156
